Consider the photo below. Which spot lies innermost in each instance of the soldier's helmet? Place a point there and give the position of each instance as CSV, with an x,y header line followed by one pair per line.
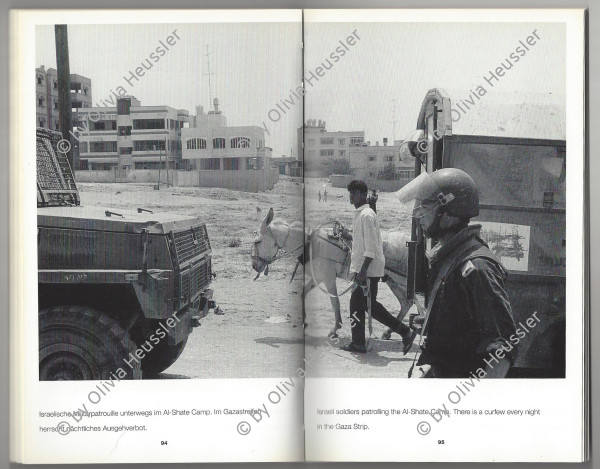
x,y
450,188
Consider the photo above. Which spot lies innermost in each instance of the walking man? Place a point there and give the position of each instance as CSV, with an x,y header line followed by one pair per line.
x,y
367,264
468,326
319,196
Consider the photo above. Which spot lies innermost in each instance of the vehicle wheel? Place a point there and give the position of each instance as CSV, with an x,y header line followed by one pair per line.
x,y
161,357
80,343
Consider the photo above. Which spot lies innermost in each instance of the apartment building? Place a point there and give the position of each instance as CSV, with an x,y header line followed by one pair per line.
x,y
322,146
46,87
131,136
210,145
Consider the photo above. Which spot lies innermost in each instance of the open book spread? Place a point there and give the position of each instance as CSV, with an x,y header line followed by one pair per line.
x,y
287,235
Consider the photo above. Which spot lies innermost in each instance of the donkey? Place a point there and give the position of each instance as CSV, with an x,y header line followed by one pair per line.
x,y
328,260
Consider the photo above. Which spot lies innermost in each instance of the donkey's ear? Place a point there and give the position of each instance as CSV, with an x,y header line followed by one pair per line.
x,y
270,216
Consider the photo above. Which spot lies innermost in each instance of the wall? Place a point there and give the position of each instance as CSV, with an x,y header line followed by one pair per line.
x,y
243,180
342,180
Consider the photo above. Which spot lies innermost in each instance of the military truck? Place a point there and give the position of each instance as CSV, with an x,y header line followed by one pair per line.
x,y
119,291
514,148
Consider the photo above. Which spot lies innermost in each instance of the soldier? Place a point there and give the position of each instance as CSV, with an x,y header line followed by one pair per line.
x,y
468,324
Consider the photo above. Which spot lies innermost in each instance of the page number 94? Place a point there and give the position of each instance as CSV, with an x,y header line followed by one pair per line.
x,y
163,443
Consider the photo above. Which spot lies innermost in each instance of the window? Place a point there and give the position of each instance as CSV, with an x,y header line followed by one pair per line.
x,y
125,150
56,126
342,152
150,165
124,107
42,122
102,125
372,158
55,104
103,166
103,147
41,101
218,142
144,124
148,145
231,164
55,84
327,152
327,141
405,174
389,158
240,142
196,144
210,164
356,141
342,141
124,130
85,90
40,79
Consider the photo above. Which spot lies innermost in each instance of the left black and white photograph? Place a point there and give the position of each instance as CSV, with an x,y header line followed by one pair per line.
x,y
167,163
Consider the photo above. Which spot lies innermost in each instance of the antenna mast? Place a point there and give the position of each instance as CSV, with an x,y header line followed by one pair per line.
x,y
394,121
209,74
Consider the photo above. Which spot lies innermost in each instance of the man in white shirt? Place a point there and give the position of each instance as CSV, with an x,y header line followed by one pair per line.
x,y
367,264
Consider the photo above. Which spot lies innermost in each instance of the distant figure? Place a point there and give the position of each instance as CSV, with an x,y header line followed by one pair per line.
x,y
372,200
325,196
319,196
258,212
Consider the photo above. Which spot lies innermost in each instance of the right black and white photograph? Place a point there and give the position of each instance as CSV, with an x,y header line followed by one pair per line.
x,y
435,199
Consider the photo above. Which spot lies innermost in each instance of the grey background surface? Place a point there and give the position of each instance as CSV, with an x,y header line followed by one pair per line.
x,y
593,146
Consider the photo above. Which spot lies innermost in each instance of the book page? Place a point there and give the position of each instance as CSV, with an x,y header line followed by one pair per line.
x,y
161,328
493,98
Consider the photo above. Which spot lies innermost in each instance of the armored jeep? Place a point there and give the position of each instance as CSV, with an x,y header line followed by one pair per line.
x,y
119,291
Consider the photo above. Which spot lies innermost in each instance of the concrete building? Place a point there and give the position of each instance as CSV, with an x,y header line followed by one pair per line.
x,y
321,146
223,156
368,160
46,87
287,166
131,136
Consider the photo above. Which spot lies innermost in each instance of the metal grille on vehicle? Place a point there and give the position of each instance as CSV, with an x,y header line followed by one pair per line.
x,y
191,243
196,279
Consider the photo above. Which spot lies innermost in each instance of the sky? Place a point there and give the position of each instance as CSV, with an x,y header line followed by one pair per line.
x,y
402,61
256,66
253,66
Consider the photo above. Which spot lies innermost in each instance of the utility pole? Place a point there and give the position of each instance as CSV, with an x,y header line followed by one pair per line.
x,y
167,158
159,164
64,88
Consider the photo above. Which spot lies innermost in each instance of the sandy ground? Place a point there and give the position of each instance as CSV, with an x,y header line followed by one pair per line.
x,y
323,355
261,334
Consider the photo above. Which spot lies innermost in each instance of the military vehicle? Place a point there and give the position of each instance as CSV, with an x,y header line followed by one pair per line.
x,y
119,291
514,148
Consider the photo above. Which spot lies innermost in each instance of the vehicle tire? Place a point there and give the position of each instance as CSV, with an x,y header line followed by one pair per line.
x,y
81,343
161,357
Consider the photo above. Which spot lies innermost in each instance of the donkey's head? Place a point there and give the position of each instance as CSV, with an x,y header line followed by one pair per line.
x,y
264,248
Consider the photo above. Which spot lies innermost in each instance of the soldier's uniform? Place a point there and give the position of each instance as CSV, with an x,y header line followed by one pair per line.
x,y
471,316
